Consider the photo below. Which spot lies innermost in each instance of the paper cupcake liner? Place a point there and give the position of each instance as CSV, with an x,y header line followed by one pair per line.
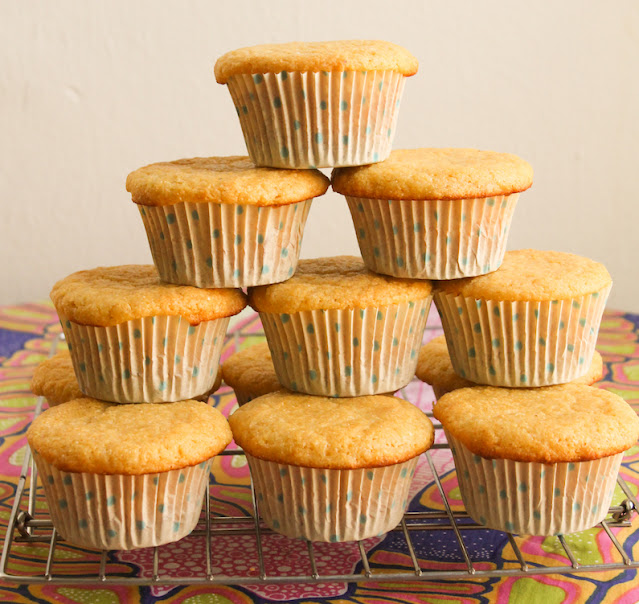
x,y
533,498
433,239
331,505
149,360
521,344
244,396
124,512
317,120
347,352
225,245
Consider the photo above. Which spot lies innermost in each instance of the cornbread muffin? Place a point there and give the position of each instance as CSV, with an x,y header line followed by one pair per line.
x,y
532,322
134,339
317,104
223,222
250,373
434,213
337,329
435,368
331,469
126,476
538,461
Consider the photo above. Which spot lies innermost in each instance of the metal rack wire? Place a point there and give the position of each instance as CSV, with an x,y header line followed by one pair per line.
x,y
28,524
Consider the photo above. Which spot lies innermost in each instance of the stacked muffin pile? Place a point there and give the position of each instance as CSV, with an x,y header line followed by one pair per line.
x,y
331,453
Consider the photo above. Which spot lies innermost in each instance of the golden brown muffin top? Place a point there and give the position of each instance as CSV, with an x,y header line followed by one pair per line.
x,y
233,180
251,370
86,435
109,295
331,433
436,174
336,55
572,422
55,379
533,275
336,282
434,367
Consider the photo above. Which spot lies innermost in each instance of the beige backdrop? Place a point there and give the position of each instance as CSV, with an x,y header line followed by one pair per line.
x,y
92,90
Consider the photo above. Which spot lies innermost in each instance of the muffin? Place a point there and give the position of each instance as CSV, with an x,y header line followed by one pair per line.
x,y
539,461
54,379
134,339
338,329
435,368
331,469
434,213
222,222
250,373
317,104
532,322
126,476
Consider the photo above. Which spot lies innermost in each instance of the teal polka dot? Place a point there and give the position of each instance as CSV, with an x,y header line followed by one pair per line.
x,y
126,374
362,234
283,472
576,506
284,151
343,105
542,341
181,478
460,310
265,269
89,495
550,367
110,500
83,367
348,371
370,474
523,378
189,244
482,520
389,133
238,239
400,261
195,371
161,508
216,233
503,494
362,518
496,311
518,345
403,473
355,342
345,139
412,354
280,497
237,273
582,322
285,355
303,93
516,317
491,370
319,137
376,252
595,508
140,525
170,218
557,492
258,78
496,343
349,496
575,304
83,523
111,533
478,303
571,467
209,262
137,334
280,226
522,487
536,313
284,252
162,386
310,328
537,514
176,527
561,325
510,527
395,342
471,352
161,235
302,510
283,75
490,201
142,211
334,538
191,330
380,315
477,327
156,480
244,109
476,459
482,489
337,327
62,503
260,238
329,508
177,359
323,478
312,374
376,156
582,360
374,379
285,318
323,105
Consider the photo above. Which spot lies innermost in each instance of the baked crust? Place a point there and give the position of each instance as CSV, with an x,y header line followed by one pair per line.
x,y
322,432
231,180
87,435
55,379
337,55
422,174
110,295
555,424
336,282
251,370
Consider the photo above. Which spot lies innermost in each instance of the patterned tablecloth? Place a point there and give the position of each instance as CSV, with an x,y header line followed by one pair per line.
x,y
26,335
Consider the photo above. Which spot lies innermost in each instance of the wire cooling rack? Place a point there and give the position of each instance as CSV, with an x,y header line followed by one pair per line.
x,y
31,537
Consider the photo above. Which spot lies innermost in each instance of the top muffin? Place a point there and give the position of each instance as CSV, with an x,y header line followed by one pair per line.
x,y
233,179
534,275
436,174
337,55
341,282
110,295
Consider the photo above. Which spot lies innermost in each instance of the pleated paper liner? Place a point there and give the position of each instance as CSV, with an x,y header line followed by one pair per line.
x,y
331,505
521,343
317,120
433,239
149,360
225,245
533,498
347,352
124,512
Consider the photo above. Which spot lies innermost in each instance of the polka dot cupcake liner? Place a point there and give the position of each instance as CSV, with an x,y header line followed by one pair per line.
x,y
148,360
331,505
347,352
317,120
520,343
225,245
433,239
533,498
124,512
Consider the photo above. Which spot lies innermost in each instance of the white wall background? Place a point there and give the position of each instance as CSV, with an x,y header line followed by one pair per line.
x,y
89,91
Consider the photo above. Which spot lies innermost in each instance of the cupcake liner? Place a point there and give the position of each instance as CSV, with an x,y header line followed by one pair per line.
x,y
521,343
317,120
148,360
331,505
433,239
533,498
225,245
347,352
244,396
116,511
